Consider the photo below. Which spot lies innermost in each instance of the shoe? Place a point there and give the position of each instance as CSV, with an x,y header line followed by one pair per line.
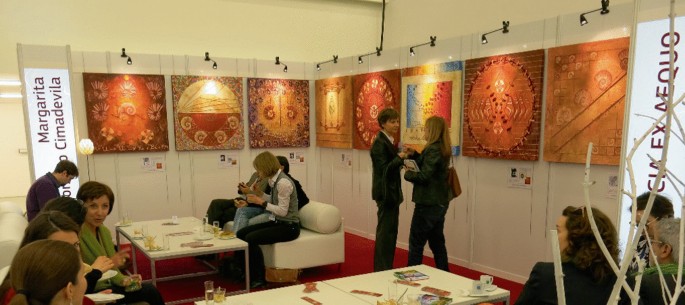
x,y
257,283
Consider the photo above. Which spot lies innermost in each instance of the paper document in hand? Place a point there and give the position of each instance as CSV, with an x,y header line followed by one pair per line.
x,y
411,165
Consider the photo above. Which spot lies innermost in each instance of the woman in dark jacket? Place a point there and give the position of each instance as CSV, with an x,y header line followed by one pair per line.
x,y
430,194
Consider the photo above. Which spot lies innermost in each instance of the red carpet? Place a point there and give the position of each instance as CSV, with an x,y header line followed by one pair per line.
x,y
358,260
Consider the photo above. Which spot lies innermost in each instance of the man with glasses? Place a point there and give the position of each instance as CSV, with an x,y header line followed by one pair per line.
x,y
661,209
664,246
47,187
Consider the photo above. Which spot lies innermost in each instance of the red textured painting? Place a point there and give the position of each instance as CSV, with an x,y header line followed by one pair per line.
x,y
334,112
126,112
278,111
372,93
586,90
502,106
207,112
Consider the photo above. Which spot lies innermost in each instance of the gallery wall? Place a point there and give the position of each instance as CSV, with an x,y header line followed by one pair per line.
x,y
491,228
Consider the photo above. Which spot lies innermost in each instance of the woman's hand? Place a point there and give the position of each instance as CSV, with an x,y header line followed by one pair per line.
x,y
120,258
239,203
252,198
244,189
103,263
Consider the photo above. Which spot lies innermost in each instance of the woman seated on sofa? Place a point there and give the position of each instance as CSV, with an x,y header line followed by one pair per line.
x,y
588,277
96,240
284,223
55,225
47,272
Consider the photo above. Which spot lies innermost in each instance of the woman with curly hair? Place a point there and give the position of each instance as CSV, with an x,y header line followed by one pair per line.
x,y
588,277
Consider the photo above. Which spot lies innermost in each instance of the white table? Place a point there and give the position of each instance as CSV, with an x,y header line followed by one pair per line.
x,y
378,282
160,228
337,291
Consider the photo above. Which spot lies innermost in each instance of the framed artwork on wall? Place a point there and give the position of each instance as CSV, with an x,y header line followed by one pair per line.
x,y
207,112
126,112
373,92
334,112
278,111
502,106
427,91
586,89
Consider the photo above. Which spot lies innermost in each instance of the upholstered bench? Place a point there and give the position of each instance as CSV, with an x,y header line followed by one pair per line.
x,y
12,225
321,241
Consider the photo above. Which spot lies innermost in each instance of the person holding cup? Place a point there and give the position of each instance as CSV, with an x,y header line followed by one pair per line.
x,y
96,240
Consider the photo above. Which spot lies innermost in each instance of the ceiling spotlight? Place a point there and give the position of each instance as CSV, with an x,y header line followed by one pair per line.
x,y
603,10
123,53
278,61
431,43
214,66
129,61
433,38
335,59
504,29
411,51
360,60
318,67
207,56
285,69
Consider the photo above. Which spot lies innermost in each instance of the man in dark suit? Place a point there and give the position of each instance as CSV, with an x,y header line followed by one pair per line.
x,y
665,244
386,189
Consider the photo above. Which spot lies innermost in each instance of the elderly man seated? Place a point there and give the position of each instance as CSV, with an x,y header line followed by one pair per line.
x,y
664,246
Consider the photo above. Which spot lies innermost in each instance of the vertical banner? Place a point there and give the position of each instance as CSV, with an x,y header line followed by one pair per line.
x,y
51,122
650,79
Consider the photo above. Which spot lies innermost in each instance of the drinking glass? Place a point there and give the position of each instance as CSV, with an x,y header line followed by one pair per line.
x,y
219,295
209,292
215,228
145,231
133,283
165,241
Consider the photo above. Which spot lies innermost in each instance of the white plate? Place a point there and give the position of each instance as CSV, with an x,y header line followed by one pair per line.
x,y
491,288
107,275
101,298
119,224
203,237
484,294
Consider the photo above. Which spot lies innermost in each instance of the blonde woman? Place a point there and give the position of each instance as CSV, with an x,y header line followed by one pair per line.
x,y
430,194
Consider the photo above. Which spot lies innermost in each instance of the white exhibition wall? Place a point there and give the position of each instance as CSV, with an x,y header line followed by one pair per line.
x,y
491,227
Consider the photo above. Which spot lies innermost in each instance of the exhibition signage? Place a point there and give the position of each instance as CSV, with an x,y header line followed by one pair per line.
x,y
51,122
650,80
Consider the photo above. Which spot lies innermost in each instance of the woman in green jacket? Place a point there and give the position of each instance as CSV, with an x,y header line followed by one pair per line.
x,y
430,194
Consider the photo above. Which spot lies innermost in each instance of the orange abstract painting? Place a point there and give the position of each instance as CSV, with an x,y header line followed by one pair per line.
x,y
502,106
207,112
334,112
278,112
586,89
373,92
126,112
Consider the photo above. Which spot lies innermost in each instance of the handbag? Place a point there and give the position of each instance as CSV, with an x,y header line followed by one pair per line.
x,y
453,181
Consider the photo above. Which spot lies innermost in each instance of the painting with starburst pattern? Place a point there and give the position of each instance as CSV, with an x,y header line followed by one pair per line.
x,y
126,112
371,93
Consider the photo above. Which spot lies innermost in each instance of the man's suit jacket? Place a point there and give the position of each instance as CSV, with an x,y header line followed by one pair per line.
x,y
650,289
580,288
386,186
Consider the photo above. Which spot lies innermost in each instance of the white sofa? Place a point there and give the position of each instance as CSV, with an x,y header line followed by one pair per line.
x,y
12,226
321,241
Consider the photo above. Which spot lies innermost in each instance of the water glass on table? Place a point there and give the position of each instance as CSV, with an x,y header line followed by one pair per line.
x,y
209,292
219,296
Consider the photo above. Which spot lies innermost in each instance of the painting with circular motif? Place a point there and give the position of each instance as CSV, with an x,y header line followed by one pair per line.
x,y
586,91
371,93
502,106
207,112
126,112
278,111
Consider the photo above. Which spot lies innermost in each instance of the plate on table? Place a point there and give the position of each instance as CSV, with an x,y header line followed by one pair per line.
x,y
482,294
123,224
226,235
203,237
102,298
108,275
491,288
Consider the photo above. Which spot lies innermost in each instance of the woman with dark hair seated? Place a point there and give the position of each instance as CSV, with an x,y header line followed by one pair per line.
x,y
588,277
47,272
96,240
67,205
55,225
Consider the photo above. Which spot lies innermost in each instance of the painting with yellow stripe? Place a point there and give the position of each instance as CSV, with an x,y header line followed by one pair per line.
x,y
427,91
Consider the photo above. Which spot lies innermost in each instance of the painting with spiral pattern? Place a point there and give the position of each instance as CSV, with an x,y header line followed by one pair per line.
x,y
126,112
207,112
502,106
586,90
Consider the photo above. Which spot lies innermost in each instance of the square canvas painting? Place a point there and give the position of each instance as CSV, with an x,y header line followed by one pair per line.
x,y
207,112
373,92
431,90
334,112
586,90
126,112
502,106
278,111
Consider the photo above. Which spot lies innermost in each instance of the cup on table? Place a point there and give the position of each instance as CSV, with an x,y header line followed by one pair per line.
x,y
219,295
174,219
209,292
133,283
145,230
215,228
486,280
166,245
477,287
126,219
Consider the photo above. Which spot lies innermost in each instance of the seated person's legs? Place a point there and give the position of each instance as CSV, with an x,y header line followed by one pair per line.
x,y
221,210
243,215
